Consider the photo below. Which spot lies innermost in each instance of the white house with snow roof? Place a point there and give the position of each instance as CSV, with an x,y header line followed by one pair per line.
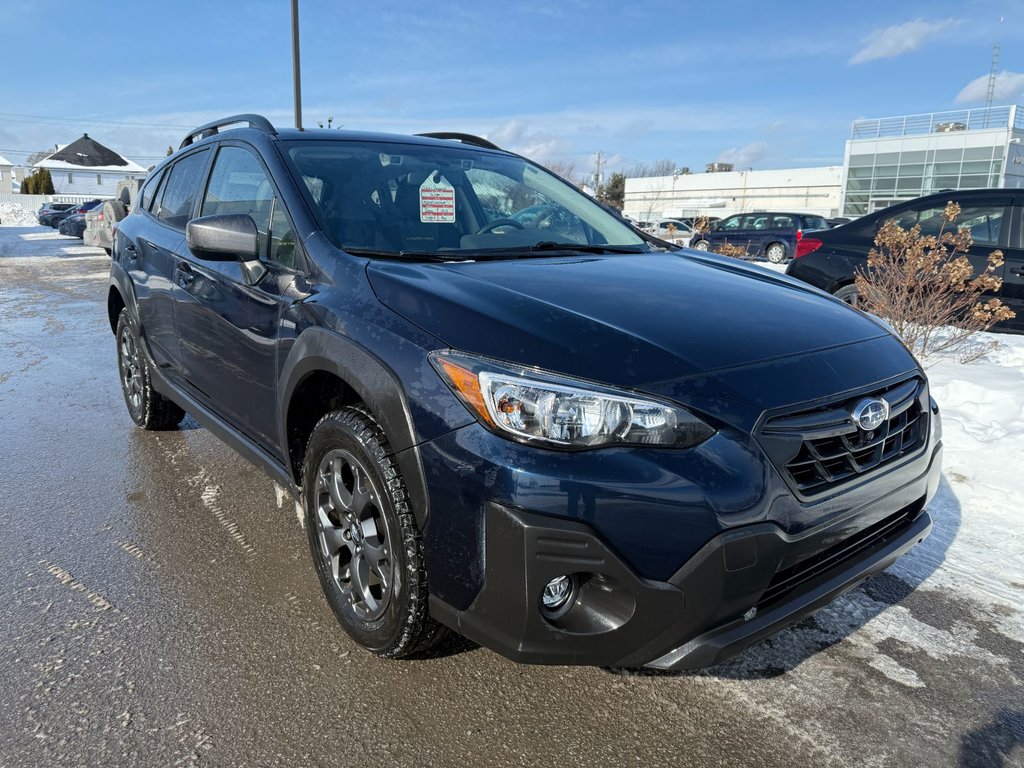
x,y
86,167
6,175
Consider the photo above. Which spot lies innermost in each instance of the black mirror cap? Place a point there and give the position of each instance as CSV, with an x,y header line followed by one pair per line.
x,y
223,237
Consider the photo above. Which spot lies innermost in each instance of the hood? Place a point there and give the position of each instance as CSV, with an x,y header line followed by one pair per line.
x,y
626,320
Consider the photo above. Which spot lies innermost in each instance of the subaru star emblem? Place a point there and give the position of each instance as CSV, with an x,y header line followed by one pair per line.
x,y
870,413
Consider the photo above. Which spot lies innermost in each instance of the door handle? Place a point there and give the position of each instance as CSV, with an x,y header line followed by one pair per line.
x,y
183,275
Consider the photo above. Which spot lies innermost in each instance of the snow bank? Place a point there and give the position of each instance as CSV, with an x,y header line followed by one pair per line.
x,y
979,510
16,215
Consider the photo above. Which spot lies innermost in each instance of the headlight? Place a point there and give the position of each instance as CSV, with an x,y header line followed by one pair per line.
x,y
538,407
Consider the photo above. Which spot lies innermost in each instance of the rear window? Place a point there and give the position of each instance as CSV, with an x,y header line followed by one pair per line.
x,y
149,191
178,193
783,222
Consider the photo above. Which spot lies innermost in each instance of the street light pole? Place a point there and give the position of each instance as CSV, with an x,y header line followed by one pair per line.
x,y
296,79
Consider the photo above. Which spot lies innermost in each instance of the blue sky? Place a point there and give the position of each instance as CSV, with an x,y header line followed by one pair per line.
x,y
766,85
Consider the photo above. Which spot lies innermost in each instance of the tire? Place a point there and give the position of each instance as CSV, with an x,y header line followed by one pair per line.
x,y
775,253
702,245
147,407
366,547
848,294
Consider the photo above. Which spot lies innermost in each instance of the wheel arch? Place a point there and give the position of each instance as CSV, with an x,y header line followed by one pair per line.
x,y
115,303
325,371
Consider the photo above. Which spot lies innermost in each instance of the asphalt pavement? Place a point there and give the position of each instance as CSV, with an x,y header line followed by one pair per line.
x,y
158,607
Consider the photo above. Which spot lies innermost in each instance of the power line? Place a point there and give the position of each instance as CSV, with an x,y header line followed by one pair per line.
x,y
18,117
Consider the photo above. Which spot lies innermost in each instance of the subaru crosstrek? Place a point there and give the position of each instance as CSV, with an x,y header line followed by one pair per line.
x,y
547,432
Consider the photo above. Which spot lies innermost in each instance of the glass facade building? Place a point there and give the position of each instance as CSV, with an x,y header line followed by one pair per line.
x,y
889,160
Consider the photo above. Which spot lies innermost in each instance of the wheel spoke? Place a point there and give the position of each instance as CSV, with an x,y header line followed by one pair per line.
x,y
361,494
340,495
361,580
333,537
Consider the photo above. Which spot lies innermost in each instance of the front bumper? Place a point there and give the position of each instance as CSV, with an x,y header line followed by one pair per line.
x,y
741,586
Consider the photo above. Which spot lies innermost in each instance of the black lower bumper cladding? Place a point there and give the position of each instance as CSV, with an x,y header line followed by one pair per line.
x,y
737,590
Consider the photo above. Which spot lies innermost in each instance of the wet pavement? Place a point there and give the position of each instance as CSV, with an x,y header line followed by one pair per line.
x,y
158,607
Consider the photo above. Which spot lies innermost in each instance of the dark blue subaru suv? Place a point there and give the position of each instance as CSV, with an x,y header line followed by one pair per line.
x,y
547,432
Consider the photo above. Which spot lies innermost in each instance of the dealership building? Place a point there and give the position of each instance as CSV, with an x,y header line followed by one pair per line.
x,y
886,160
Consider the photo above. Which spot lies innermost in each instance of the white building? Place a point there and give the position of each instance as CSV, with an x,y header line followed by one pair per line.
x,y
796,190
892,159
86,167
6,175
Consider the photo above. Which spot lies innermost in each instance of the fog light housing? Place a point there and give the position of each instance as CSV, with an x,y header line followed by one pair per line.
x,y
558,595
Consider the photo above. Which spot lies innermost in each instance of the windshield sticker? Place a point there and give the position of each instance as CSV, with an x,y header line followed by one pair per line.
x,y
437,201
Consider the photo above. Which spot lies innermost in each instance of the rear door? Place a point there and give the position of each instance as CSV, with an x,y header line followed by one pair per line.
x,y
1012,292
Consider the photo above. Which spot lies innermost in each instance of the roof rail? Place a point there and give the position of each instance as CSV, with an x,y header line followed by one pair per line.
x,y
211,129
465,138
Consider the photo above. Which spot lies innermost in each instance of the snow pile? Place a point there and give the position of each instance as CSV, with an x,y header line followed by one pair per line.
x,y
16,215
979,510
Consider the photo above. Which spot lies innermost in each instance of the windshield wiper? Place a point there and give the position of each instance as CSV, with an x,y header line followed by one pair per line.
x,y
410,255
551,245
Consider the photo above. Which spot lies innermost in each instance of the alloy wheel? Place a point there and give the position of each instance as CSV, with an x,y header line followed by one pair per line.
x,y
353,535
131,369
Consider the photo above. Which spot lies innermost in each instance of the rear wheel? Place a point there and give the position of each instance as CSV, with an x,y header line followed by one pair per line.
x,y
702,245
148,408
848,294
775,253
366,547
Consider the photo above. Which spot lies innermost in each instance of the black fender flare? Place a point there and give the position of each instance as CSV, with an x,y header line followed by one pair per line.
x,y
376,384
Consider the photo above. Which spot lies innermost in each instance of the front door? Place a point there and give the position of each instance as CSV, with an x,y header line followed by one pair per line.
x,y
229,315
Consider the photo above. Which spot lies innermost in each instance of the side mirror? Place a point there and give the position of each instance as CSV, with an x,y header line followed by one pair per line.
x,y
223,237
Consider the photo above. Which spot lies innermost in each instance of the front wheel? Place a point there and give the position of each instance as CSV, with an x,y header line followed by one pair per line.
x,y
702,245
366,547
147,407
775,253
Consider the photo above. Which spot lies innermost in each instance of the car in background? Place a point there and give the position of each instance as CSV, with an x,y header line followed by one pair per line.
x,y
773,236
674,231
56,218
47,210
830,259
73,225
101,222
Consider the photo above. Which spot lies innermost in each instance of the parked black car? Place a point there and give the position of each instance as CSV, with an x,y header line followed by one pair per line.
x,y
772,236
58,216
494,423
73,225
830,259
47,210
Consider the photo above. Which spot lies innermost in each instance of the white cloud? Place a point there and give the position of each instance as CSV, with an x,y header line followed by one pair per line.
x,y
889,42
517,136
1009,87
744,157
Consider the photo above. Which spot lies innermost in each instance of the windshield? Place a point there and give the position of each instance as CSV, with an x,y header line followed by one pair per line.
x,y
393,198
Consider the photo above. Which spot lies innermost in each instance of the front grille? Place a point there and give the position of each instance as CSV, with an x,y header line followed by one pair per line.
x,y
787,580
822,448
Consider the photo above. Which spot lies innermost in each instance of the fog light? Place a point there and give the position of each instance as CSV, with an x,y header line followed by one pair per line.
x,y
557,593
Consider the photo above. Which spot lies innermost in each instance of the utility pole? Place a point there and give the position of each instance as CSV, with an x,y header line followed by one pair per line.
x,y
296,79
597,174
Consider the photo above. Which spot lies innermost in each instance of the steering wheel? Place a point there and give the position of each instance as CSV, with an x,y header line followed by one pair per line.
x,y
499,223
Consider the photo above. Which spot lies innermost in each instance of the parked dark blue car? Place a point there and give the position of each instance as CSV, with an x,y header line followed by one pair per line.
x,y
540,430
772,236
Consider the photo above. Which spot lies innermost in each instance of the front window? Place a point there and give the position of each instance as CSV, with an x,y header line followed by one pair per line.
x,y
440,200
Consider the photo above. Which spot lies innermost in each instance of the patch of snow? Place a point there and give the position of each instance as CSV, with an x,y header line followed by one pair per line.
x,y
16,215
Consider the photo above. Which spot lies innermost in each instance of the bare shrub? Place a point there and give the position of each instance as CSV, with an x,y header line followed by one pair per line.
x,y
701,225
725,248
924,286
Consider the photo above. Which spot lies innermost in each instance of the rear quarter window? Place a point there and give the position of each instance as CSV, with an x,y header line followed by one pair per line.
x,y
178,193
